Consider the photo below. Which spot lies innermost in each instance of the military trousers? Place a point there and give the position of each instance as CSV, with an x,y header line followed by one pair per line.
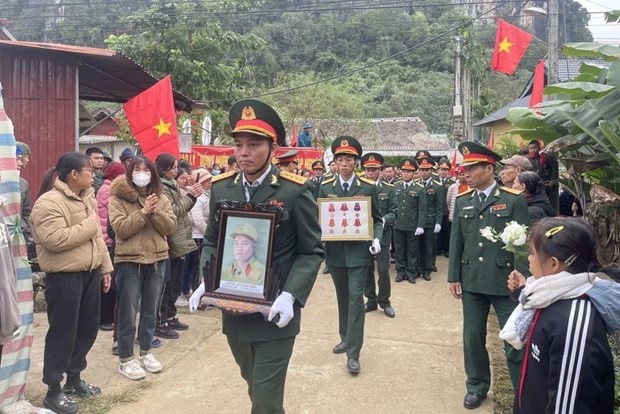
x,y
263,366
385,288
476,308
428,250
349,283
443,237
407,253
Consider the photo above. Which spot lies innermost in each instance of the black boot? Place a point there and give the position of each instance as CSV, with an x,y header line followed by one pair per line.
x,y
76,385
57,401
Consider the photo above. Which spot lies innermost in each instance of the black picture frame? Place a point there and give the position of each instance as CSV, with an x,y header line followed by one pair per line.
x,y
253,285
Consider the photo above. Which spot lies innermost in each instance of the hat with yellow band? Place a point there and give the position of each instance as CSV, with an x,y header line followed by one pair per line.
x,y
257,118
474,153
408,165
372,160
346,145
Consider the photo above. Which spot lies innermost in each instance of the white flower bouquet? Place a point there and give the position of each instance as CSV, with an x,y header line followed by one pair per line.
x,y
514,237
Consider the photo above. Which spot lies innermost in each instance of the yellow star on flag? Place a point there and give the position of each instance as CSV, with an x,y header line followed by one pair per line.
x,y
163,128
505,45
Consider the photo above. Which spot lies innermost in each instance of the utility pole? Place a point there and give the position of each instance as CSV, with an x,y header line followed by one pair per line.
x,y
553,39
457,109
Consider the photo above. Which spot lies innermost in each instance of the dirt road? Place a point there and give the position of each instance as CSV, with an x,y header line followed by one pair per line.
x,y
410,364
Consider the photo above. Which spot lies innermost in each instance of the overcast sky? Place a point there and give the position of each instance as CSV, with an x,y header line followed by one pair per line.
x,y
604,33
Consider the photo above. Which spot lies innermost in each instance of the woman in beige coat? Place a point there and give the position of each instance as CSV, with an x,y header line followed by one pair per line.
x,y
142,218
71,249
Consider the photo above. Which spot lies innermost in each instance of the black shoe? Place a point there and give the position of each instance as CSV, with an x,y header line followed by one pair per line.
x,y
434,269
164,331
446,254
473,400
353,365
426,276
369,307
412,279
325,271
389,311
392,261
341,348
81,388
399,278
60,404
177,325
106,326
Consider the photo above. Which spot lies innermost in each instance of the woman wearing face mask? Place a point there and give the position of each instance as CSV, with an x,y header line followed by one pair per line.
x,y
71,249
564,314
141,217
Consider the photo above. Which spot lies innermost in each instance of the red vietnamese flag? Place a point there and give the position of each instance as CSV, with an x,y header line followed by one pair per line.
x,y
510,46
153,120
453,168
491,142
294,137
538,85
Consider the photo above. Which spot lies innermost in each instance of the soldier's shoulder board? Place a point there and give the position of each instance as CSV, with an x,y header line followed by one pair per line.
x,y
297,179
331,180
223,176
437,182
388,184
367,181
465,192
419,184
511,190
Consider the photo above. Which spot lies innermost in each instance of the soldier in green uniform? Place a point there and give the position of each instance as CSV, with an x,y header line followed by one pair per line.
x,y
348,261
443,238
372,163
409,224
317,170
288,161
435,201
262,349
244,268
479,267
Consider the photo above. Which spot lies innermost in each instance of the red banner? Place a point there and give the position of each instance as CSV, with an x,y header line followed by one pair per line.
x,y
207,155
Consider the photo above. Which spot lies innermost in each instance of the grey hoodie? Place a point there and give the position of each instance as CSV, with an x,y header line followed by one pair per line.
x,y
605,295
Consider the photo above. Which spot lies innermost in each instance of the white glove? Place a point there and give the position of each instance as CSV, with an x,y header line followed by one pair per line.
x,y
194,301
283,306
437,228
419,231
375,247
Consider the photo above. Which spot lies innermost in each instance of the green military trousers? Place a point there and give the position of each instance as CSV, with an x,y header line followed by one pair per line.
x,y
385,288
263,366
428,250
407,246
349,283
476,308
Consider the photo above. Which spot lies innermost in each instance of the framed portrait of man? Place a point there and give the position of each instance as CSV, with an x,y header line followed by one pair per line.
x,y
241,278
345,218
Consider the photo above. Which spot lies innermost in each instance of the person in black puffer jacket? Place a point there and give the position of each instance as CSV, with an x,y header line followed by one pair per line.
x,y
533,189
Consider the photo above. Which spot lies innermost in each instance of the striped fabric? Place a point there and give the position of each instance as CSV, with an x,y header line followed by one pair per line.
x,y
16,354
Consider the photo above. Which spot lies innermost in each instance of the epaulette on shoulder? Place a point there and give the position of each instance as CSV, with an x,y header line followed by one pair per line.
x,y
419,184
466,192
331,180
511,190
297,179
388,184
367,181
437,182
223,176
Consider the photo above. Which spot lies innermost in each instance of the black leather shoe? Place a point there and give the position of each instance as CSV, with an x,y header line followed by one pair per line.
x,y
473,400
411,280
446,254
426,276
399,278
389,311
325,271
82,388
341,348
60,404
369,307
353,365
434,268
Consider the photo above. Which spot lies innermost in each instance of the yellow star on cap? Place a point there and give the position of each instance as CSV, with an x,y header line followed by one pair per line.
x,y
505,45
163,128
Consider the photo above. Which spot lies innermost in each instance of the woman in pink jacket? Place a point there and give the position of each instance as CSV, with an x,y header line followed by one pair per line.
x,y
108,300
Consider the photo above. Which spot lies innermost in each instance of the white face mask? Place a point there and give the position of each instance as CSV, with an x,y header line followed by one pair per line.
x,y
141,179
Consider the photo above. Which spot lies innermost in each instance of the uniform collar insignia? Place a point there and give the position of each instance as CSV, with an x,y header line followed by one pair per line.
x,y
274,179
358,183
237,179
496,194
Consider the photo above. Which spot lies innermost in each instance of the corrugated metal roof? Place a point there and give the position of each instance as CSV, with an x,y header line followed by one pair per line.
x,y
105,75
502,112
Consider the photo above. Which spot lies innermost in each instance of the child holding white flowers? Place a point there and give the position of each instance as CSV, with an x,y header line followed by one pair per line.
x,y
564,314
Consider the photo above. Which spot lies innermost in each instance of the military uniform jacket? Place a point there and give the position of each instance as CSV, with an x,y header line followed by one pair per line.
x,y
352,253
388,209
435,200
411,206
480,265
297,250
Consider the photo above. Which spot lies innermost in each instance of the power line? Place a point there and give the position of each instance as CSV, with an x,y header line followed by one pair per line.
x,y
364,66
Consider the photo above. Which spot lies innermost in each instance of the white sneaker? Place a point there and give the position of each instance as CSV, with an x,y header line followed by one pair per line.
x,y
181,301
132,370
149,363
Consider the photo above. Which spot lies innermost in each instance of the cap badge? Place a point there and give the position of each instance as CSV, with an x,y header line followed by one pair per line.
x,y
344,143
248,113
371,158
465,151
